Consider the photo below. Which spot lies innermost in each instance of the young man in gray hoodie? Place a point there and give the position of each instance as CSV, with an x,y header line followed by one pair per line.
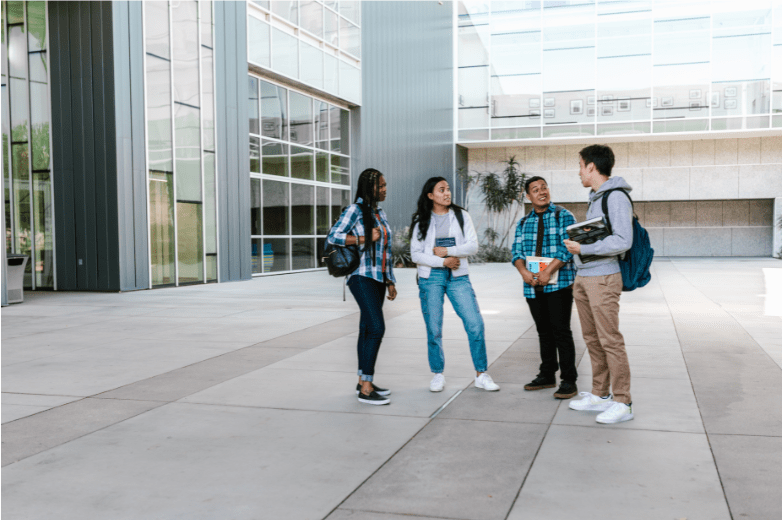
x,y
598,287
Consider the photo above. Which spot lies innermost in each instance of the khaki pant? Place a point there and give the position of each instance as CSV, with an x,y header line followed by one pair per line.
x,y
597,301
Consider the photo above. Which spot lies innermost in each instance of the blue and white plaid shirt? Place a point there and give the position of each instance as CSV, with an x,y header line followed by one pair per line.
x,y
526,242
351,222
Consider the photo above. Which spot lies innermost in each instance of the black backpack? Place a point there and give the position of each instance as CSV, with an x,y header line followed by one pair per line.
x,y
637,261
557,211
340,260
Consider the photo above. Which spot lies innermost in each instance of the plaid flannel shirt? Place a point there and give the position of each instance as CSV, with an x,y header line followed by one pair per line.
x,y
526,241
351,222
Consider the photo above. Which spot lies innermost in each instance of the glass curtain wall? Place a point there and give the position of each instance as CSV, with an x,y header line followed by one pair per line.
x,y
179,40
300,175
26,109
317,43
561,68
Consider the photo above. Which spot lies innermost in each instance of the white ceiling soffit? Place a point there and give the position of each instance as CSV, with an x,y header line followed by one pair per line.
x,y
670,136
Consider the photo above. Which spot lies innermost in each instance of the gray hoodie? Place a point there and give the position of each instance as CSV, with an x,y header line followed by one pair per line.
x,y
620,210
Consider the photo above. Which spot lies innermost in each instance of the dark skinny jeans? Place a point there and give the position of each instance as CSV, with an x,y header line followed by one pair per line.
x,y
551,312
369,295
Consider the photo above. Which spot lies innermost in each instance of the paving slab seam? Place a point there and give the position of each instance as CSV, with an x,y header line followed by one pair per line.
x,y
411,515
692,385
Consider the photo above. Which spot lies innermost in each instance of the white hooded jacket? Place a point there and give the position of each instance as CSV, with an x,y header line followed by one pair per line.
x,y
422,252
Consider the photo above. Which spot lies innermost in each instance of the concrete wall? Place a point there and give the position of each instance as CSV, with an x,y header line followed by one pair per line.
x,y
406,120
683,176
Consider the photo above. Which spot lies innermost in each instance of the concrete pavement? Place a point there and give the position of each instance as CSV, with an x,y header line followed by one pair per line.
x,y
237,401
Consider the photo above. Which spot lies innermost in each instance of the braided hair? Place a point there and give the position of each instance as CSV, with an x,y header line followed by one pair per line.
x,y
368,191
423,214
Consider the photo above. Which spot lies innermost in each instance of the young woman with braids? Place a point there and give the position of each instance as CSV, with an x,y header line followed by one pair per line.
x,y
442,236
365,224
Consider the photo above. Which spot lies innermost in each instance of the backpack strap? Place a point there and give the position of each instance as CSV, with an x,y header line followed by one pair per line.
x,y
605,206
557,211
460,219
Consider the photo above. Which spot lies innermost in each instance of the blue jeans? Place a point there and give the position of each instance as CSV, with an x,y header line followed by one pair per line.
x,y
369,295
432,292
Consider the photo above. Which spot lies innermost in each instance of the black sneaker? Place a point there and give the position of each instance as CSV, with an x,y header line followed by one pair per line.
x,y
380,391
541,382
566,390
373,398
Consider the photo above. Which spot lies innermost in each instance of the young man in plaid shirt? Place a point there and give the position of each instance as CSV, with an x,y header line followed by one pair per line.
x,y
541,233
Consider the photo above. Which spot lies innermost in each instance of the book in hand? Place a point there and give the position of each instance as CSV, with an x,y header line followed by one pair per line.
x,y
588,232
445,242
536,264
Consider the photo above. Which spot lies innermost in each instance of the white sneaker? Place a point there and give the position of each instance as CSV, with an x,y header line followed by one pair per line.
x,y
438,383
485,381
619,412
592,403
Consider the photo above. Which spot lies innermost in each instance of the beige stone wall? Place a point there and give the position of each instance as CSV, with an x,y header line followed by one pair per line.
x,y
710,197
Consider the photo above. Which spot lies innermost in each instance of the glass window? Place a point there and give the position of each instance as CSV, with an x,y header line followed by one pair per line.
x,y
156,28
36,26
331,28
39,112
210,206
350,37
188,153
322,124
275,158
257,256
260,48
312,17
349,81
185,25
303,209
161,227
340,170
285,52
15,12
321,166
255,107
255,207
207,100
311,65
276,255
323,222
301,119
331,73
340,199
206,23
321,245
286,9
303,253
255,155
43,269
159,114
276,204
350,10
274,110
262,3
301,163
190,242
340,130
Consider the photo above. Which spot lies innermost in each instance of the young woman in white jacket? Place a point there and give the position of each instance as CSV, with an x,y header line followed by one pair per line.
x,y
442,236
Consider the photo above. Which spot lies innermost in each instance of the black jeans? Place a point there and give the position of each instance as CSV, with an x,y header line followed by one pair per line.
x,y
551,312
369,295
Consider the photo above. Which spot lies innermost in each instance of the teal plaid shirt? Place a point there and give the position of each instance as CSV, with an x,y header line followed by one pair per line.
x,y
526,241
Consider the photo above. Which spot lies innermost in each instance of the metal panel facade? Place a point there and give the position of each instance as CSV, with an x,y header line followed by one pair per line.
x,y
233,147
407,112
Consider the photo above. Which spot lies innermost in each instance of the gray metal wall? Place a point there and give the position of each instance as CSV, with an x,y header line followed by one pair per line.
x,y
233,145
406,119
99,178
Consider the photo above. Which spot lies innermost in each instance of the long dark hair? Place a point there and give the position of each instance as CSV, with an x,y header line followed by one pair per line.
x,y
423,214
367,190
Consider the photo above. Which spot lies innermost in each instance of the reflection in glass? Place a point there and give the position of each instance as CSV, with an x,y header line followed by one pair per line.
x,y
340,170
15,12
190,242
323,223
257,255
206,22
255,107
156,28
474,87
312,65
330,73
276,202
340,199
321,166
161,227
207,100
286,9
301,163
303,256
275,158
188,153
302,209
39,112
255,155
312,17
211,267
43,270
276,255
285,52
274,109
350,37
21,193
17,58
331,28
255,207
336,128
185,24
322,124
321,245
36,26
260,47
349,81
301,119
350,10
210,204
159,138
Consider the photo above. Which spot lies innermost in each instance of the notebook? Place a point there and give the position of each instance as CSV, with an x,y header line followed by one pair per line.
x,y
536,264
